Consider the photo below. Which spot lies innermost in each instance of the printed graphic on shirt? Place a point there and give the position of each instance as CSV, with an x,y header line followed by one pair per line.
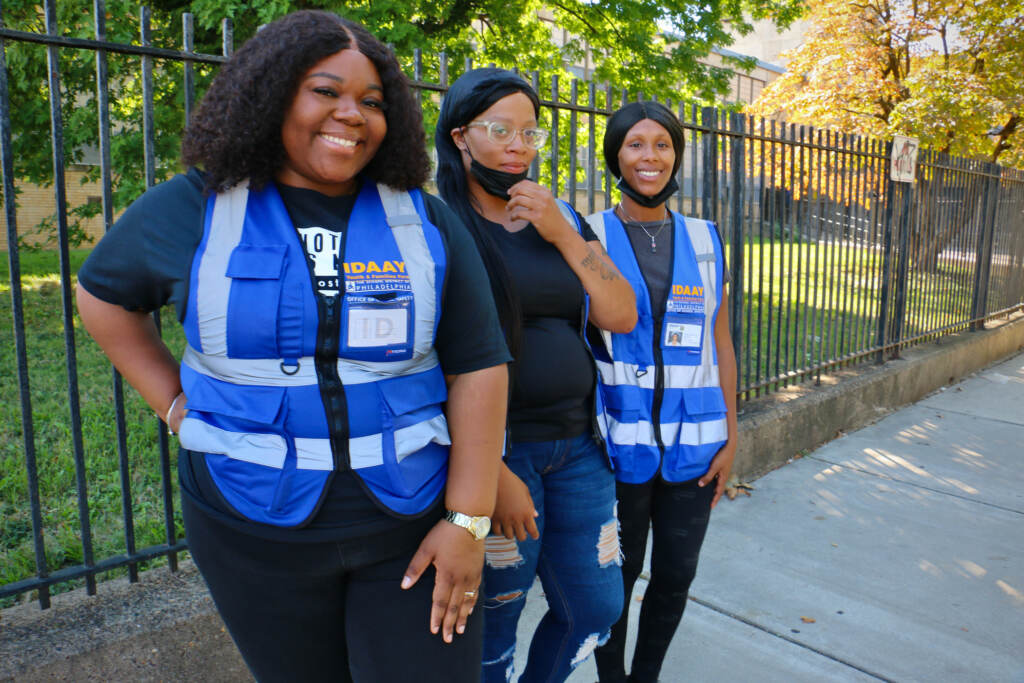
x,y
322,247
685,299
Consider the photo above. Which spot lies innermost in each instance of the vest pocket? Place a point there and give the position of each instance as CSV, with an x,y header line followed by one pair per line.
x,y
258,404
414,430
703,429
377,327
682,338
622,408
254,299
234,421
704,401
253,464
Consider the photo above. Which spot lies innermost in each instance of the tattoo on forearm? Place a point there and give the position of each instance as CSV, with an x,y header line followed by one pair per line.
x,y
592,262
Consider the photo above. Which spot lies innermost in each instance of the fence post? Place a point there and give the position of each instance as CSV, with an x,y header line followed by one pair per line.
x,y
986,244
709,172
66,276
900,301
18,317
883,305
737,166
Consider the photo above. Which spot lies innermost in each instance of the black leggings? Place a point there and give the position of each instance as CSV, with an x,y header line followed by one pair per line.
x,y
326,611
678,515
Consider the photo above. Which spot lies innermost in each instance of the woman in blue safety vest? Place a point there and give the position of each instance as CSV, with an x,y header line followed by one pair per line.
x,y
555,513
668,386
341,398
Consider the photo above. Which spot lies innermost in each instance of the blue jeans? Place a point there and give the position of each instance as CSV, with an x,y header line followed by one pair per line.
x,y
577,558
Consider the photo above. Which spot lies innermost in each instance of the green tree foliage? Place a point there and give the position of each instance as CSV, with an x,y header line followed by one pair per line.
x,y
945,71
641,45
28,90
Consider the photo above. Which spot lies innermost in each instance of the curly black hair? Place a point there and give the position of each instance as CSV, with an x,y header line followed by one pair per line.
x,y
236,131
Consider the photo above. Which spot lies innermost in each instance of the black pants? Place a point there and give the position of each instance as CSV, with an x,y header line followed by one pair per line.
x,y
326,611
678,514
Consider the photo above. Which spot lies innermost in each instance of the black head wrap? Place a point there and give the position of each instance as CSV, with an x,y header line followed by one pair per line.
x,y
620,124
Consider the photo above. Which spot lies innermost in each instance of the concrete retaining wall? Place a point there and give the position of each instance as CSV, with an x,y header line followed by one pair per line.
x,y
165,628
797,419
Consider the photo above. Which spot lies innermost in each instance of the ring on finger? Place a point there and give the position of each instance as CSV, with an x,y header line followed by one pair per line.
x,y
470,594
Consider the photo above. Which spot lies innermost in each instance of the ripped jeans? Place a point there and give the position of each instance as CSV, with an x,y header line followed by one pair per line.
x,y
577,558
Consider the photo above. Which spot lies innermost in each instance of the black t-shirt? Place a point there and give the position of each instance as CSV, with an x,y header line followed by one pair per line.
x,y
553,378
144,262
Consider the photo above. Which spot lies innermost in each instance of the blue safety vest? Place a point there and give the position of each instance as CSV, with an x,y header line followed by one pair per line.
x,y
664,407
272,424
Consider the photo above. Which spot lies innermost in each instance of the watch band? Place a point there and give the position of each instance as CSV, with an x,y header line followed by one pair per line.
x,y
477,526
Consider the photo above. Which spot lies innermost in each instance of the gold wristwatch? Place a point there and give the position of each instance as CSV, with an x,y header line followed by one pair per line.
x,y
479,527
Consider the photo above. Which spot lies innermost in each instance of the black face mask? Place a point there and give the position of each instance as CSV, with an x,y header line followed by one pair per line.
x,y
650,202
495,182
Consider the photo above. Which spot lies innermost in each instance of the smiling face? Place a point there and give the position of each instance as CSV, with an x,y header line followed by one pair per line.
x,y
515,111
335,124
646,157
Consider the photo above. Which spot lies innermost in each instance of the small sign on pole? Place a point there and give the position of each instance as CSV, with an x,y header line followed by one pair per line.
x,y
904,159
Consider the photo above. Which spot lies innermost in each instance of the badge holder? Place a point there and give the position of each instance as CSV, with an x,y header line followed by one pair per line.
x,y
378,327
683,332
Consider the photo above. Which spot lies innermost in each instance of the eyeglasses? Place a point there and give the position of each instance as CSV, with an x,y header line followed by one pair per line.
x,y
503,134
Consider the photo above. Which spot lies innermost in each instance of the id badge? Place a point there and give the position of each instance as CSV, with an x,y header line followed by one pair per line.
x,y
374,330
370,326
684,332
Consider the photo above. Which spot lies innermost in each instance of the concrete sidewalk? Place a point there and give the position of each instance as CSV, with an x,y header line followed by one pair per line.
x,y
892,553
895,552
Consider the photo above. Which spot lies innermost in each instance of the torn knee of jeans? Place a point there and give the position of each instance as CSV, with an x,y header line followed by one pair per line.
x,y
587,647
608,550
502,553
504,599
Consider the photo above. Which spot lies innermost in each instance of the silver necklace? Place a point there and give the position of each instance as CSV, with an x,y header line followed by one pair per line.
x,y
664,222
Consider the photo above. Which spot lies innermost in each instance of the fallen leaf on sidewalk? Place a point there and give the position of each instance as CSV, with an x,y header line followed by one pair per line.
x,y
807,620
734,487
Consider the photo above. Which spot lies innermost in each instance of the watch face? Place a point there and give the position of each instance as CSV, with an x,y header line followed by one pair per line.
x,y
480,527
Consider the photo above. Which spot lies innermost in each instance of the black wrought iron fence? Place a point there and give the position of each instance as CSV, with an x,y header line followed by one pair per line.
x,y
831,264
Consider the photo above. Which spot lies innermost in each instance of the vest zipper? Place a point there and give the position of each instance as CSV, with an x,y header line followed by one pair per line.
x,y
659,385
328,333
332,391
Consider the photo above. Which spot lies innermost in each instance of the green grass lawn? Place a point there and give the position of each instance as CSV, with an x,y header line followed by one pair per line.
x,y
48,381
804,303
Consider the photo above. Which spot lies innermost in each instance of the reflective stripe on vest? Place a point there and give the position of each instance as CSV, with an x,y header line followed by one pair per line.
x,y
692,415
250,378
